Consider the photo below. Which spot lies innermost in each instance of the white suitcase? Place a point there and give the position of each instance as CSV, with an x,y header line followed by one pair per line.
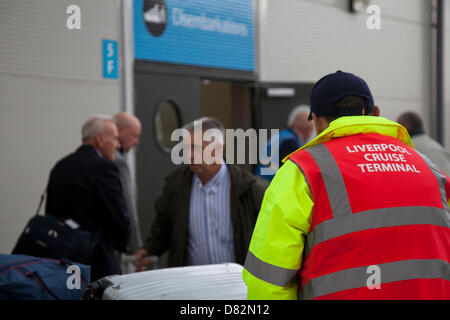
x,y
207,282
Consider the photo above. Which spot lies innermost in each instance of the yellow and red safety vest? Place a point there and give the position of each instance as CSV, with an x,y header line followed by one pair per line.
x,y
367,203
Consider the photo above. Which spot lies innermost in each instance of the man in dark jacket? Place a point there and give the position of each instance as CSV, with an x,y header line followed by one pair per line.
x,y
206,212
85,187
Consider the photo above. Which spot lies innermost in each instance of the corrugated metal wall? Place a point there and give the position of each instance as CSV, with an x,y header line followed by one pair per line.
x,y
302,40
447,75
50,83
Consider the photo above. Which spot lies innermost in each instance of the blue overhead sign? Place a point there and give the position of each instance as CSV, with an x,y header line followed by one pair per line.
x,y
208,33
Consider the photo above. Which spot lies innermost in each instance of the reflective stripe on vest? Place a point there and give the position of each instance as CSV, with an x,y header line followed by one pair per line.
x,y
268,272
390,272
344,222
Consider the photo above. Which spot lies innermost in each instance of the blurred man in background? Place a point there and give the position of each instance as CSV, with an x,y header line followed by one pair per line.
x,y
85,187
423,142
299,132
130,129
206,212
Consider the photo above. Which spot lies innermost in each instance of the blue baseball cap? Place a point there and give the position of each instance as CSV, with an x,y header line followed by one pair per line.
x,y
334,86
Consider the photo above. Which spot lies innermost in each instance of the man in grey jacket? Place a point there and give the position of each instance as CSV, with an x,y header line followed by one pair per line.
x,y
424,143
130,129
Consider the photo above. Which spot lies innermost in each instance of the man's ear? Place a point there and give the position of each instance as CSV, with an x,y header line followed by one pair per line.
x,y
376,111
98,141
317,124
315,119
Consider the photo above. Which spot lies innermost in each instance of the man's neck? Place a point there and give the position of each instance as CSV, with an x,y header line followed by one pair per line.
x,y
208,175
298,133
415,132
92,144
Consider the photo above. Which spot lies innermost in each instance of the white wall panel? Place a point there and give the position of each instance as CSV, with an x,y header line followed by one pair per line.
x,y
34,38
50,83
303,40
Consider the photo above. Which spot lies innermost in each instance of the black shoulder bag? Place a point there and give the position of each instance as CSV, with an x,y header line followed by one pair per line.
x,y
49,237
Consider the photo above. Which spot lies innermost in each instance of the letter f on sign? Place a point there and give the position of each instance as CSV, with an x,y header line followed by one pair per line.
x,y
110,66
374,281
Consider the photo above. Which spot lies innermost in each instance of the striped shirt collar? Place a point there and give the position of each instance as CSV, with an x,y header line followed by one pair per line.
x,y
99,153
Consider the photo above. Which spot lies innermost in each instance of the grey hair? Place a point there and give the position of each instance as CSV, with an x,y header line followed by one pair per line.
x,y
92,126
295,112
206,123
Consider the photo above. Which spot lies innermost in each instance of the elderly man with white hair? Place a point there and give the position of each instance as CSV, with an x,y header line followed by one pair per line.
x,y
299,131
85,187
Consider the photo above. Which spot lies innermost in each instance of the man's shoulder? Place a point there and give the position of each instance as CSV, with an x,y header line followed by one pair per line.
x,y
121,158
179,175
245,180
177,181
426,142
287,134
296,155
87,158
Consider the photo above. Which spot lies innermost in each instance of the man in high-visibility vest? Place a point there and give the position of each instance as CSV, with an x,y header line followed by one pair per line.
x,y
356,213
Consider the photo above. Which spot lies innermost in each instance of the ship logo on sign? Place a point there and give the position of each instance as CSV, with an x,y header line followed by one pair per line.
x,y
155,16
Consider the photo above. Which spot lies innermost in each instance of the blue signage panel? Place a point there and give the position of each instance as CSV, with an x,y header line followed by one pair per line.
x,y
209,33
110,59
